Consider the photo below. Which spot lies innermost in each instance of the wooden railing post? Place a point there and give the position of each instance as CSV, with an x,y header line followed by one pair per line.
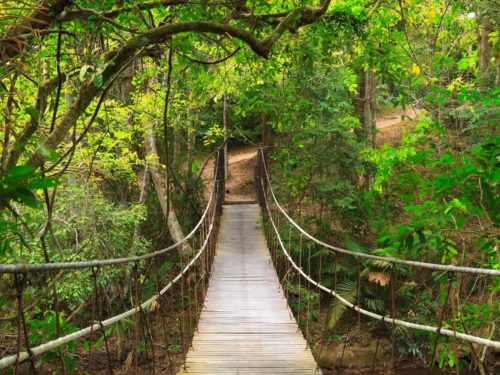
x,y
259,175
220,175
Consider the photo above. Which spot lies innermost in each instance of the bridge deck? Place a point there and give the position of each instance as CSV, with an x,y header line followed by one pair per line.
x,y
246,326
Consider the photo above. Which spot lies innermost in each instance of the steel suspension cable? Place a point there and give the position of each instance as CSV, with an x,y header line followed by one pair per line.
x,y
432,266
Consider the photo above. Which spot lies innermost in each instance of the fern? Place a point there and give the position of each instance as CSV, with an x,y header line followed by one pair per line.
x,y
346,289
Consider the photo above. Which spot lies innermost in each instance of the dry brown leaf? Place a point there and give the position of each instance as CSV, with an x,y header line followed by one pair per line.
x,y
154,305
127,365
379,278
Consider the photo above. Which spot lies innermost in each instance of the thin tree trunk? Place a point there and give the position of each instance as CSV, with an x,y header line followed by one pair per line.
x,y
365,106
484,48
369,107
143,195
157,175
190,135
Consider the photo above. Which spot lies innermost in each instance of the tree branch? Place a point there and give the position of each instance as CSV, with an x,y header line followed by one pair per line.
x,y
42,18
116,59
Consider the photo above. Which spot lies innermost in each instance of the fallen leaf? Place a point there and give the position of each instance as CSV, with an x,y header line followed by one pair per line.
x,y
379,278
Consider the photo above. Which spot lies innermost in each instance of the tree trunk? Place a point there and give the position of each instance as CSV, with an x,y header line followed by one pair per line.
x,y
142,197
365,106
369,106
157,175
484,46
20,35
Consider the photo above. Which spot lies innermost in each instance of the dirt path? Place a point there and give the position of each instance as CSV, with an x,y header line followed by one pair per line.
x,y
239,182
392,123
395,116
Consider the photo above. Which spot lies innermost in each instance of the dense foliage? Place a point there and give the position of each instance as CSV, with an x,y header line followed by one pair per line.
x,y
112,109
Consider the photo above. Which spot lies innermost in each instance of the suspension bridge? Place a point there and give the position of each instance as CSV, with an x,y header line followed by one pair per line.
x,y
239,268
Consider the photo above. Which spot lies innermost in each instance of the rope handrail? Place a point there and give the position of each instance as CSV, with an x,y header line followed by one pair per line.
x,y
27,267
384,318
431,266
53,344
38,267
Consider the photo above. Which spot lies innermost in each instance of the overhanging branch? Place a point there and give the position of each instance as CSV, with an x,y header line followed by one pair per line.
x,y
116,59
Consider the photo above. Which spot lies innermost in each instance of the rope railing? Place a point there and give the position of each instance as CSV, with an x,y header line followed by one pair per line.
x,y
388,319
431,266
273,220
38,267
54,344
27,267
198,267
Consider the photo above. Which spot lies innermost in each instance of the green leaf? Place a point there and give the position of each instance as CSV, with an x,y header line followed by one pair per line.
x,y
98,80
28,198
19,172
83,71
195,166
33,112
42,183
347,290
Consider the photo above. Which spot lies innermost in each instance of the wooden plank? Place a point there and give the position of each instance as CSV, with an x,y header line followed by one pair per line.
x,y
246,326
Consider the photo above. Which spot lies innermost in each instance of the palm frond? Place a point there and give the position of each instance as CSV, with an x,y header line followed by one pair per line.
x,y
346,289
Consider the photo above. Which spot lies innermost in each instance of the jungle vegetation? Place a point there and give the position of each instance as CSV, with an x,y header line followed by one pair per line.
x,y
111,109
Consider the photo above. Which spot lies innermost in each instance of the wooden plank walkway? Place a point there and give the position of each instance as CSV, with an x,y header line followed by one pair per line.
x,y
246,326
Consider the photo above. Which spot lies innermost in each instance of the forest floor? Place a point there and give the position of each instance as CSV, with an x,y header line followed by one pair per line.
x,y
239,180
393,122
239,183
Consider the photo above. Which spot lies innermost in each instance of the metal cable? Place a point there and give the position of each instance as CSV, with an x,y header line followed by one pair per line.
x,y
432,266
43,348
436,330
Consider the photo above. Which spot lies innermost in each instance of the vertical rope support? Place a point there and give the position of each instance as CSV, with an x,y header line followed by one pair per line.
x,y
171,302
19,282
148,334
181,320
308,313
393,325
433,356
358,295
189,302
345,343
276,246
286,266
55,302
273,239
320,272
161,313
289,269
454,345
141,321
100,313
204,264
197,272
376,347
299,310
324,329
92,317
334,308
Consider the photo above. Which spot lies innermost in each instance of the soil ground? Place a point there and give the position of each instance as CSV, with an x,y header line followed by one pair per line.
x,y
393,122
